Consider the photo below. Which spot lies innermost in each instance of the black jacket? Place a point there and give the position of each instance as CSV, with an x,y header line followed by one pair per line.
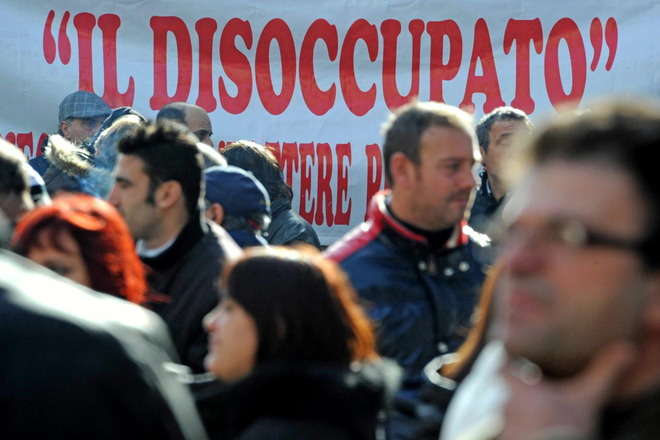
x,y
187,275
485,206
287,227
298,401
76,364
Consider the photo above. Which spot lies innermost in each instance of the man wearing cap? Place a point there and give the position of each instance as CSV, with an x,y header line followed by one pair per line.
x,y
239,203
80,115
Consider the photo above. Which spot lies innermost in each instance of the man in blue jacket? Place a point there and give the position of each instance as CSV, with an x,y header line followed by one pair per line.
x,y
415,262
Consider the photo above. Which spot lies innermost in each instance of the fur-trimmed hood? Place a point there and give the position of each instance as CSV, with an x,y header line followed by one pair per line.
x,y
72,159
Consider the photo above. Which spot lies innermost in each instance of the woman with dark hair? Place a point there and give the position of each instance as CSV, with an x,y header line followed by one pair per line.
x,y
297,349
85,239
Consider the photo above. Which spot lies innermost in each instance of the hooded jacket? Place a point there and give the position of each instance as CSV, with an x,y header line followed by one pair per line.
x,y
287,227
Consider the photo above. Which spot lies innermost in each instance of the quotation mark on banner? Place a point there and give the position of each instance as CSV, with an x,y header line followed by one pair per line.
x,y
611,39
85,23
63,42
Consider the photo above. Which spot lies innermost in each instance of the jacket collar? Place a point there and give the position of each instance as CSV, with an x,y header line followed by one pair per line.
x,y
189,236
381,217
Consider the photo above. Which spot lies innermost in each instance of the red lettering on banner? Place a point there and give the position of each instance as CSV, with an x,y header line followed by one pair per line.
x,y
391,30
306,151
565,29
25,143
206,28
41,143
343,217
109,23
523,32
84,23
277,30
358,102
318,101
161,26
482,50
11,137
440,71
374,172
323,189
290,161
236,66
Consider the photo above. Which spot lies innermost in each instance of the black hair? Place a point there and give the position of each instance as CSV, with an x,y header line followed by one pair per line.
x,y
169,152
499,114
261,162
622,133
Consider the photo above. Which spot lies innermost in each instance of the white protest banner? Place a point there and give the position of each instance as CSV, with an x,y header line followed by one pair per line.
x,y
315,80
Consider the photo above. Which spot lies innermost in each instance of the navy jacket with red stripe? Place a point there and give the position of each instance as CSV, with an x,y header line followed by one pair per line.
x,y
420,298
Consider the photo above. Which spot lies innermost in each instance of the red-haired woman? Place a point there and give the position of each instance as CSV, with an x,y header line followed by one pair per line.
x,y
297,349
85,239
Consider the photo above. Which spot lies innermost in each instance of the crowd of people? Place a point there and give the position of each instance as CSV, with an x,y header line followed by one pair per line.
x,y
505,286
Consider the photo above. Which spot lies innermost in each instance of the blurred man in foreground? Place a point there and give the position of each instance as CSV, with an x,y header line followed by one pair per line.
x,y
578,310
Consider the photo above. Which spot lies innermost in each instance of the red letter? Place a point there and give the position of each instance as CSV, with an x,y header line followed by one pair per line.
x,y
565,29
109,23
343,217
236,65
487,83
24,140
306,150
161,26
84,23
439,71
278,30
391,30
317,100
523,32
290,161
374,172
41,143
205,28
323,190
11,137
358,101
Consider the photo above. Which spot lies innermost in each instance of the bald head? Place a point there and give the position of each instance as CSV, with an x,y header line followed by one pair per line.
x,y
192,116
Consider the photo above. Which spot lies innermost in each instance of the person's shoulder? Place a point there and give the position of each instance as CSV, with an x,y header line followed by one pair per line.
x,y
37,295
358,245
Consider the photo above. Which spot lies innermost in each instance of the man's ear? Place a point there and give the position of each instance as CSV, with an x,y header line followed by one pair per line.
x,y
168,193
215,213
64,128
402,170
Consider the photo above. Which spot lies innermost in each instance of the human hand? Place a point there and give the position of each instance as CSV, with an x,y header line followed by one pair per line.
x,y
540,409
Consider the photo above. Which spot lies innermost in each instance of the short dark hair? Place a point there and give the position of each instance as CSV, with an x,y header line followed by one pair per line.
x,y
175,111
623,134
262,163
405,127
304,308
169,152
504,113
13,169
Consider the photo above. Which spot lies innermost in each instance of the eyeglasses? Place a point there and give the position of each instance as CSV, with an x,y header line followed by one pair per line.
x,y
567,233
